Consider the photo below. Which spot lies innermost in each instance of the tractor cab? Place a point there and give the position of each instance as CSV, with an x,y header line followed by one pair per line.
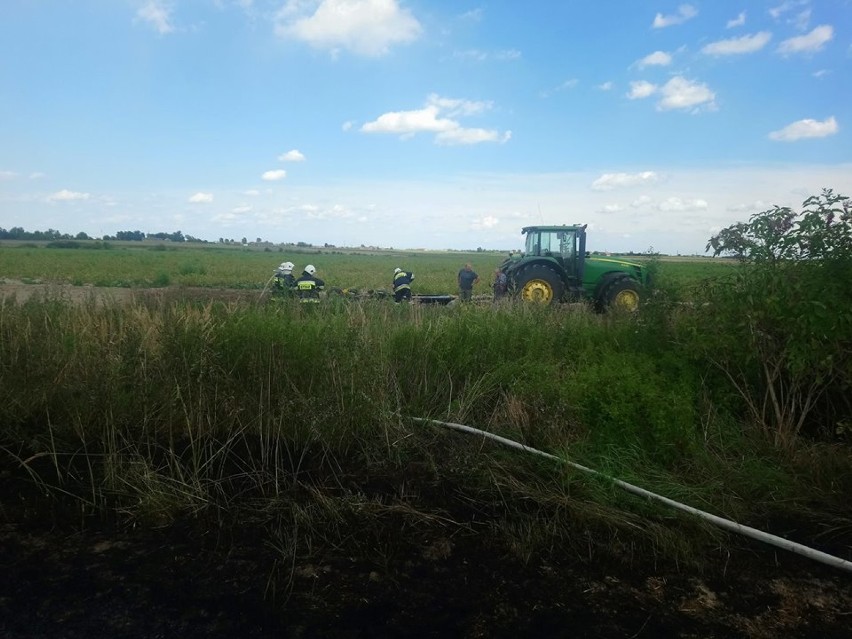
x,y
564,244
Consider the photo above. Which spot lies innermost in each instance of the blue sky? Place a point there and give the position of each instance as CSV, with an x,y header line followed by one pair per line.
x,y
422,123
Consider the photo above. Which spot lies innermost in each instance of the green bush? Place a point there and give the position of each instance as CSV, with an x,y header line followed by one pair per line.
x,y
780,327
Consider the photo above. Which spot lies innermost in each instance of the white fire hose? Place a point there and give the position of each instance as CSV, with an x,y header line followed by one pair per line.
x,y
727,524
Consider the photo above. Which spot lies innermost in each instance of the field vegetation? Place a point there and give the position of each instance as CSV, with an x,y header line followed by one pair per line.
x,y
728,391
132,265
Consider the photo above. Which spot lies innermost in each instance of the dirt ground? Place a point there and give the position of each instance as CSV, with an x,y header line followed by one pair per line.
x,y
21,291
69,581
66,576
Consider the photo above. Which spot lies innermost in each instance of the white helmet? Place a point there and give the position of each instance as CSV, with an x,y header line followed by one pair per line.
x,y
397,270
310,269
287,266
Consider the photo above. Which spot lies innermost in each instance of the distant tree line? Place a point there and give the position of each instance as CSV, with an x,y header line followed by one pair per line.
x,y
52,235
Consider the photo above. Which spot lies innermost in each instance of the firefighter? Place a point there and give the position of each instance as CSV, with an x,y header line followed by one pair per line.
x,y
308,286
402,285
284,280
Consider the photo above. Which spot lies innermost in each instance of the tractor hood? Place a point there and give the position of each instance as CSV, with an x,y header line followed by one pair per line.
x,y
611,260
597,267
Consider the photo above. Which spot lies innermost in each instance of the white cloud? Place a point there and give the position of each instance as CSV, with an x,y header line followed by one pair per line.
x,y
477,55
680,93
317,212
678,205
734,46
36,175
226,218
456,107
471,136
658,58
677,93
157,14
641,89
485,222
737,22
365,27
809,42
684,12
757,205
784,7
239,210
802,20
474,15
610,181
67,196
274,176
639,202
251,192
821,73
806,129
201,198
607,209
8,175
292,156
565,86
606,86
438,117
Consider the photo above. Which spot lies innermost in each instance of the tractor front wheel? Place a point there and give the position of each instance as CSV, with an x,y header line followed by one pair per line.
x,y
539,284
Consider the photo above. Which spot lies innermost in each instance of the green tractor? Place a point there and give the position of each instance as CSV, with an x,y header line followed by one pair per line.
x,y
555,268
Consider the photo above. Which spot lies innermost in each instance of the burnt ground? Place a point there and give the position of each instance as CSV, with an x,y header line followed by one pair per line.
x,y
63,575
65,581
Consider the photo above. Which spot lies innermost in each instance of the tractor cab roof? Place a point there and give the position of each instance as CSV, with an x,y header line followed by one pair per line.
x,y
561,227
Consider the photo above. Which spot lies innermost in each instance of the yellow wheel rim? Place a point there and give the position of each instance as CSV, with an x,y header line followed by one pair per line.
x,y
626,300
537,291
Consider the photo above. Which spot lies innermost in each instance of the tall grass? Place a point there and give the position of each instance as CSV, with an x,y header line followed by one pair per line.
x,y
296,418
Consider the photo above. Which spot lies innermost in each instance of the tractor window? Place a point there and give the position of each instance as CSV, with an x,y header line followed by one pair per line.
x,y
559,244
533,245
568,245
550,243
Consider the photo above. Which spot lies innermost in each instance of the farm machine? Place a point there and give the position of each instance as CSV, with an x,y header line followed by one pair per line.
x,y
556,268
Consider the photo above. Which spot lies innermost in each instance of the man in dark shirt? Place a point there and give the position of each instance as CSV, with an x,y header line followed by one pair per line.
x,y
467,279
500,285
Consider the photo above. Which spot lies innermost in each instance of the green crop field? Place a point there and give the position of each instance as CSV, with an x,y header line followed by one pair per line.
x,y
129,265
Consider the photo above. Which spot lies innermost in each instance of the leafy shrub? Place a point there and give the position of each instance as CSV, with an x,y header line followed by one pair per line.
x,y
780,327
162,279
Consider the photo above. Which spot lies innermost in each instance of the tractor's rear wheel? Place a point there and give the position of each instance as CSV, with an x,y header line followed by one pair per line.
x,y
539,284
622,294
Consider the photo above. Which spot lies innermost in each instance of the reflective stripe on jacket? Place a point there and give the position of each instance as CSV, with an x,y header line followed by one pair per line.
x,y
309,287
402,280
